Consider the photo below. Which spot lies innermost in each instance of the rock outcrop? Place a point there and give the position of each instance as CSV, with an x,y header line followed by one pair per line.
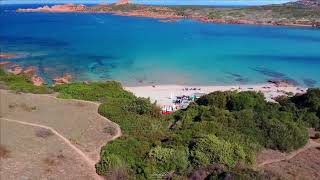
x,y
30,71
62,80
57,8
37,80
281,83
4,64
122,2
8,56
16,69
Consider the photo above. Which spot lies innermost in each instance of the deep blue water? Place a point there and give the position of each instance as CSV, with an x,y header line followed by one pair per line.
x,y
133,49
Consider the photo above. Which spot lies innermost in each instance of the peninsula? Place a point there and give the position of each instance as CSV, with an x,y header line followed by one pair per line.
x,y
300,13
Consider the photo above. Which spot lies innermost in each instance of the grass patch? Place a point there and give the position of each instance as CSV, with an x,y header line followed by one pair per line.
x,y
92,92
21,83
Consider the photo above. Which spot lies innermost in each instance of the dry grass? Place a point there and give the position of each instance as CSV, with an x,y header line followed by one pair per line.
x,y
303,166
4,152
75,120
118,173
23,106
109,130
43,133
51,161
38,159
28,108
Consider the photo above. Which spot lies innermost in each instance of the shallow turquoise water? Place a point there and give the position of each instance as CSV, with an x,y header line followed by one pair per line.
x,y
132,49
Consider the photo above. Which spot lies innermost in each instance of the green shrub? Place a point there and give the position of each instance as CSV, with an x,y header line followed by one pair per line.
x,y
107,163
211,149
285,136
97,91
169,159
217,99
142,106
245,100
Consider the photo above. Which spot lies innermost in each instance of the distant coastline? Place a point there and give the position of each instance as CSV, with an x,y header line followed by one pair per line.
x,y
260,15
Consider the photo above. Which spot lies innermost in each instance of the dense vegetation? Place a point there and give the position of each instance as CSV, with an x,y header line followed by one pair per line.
x,y
93,92
21,83
220,133
227,128
291,13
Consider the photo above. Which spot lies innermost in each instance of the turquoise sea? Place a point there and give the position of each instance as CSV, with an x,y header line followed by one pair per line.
x,y
135,49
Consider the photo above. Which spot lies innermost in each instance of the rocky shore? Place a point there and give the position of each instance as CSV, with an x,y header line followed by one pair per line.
x,y
31,72
8,56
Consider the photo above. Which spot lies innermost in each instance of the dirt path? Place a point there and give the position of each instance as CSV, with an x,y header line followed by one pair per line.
x,y
310,144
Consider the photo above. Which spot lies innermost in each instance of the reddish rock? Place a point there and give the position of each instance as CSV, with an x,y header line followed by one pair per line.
x,y
7,56
16,70
30,71
37,80
281,83
4,64
62,80
121,2
57,8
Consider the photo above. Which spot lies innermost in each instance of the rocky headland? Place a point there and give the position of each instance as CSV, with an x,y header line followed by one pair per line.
x,y
56,8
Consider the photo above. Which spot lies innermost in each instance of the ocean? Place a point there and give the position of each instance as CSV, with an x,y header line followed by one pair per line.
x,y
141,51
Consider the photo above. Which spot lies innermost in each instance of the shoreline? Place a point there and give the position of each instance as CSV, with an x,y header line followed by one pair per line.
x,y
164,14
165,94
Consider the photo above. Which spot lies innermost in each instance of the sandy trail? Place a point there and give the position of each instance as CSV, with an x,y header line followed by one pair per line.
x,y
309,145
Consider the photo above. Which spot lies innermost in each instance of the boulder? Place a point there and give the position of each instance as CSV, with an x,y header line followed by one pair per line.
x,y
281,83
8,56
4,64
62,80
16,70
30,71
37,80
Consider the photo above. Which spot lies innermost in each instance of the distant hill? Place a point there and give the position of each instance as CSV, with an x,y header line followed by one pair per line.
x,y
306,3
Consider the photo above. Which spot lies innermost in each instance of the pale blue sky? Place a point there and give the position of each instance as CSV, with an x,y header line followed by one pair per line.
x,y
199,2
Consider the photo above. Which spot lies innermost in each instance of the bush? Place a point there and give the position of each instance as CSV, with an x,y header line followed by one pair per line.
x,y
169,159
97,91
285,136
245,100
217,99
309,100
142,106
211,149
107,163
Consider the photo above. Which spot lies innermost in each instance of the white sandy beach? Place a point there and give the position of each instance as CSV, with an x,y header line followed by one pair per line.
x,y
164,94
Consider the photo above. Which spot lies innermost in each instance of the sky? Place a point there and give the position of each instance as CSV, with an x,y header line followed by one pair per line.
x,y
166,2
